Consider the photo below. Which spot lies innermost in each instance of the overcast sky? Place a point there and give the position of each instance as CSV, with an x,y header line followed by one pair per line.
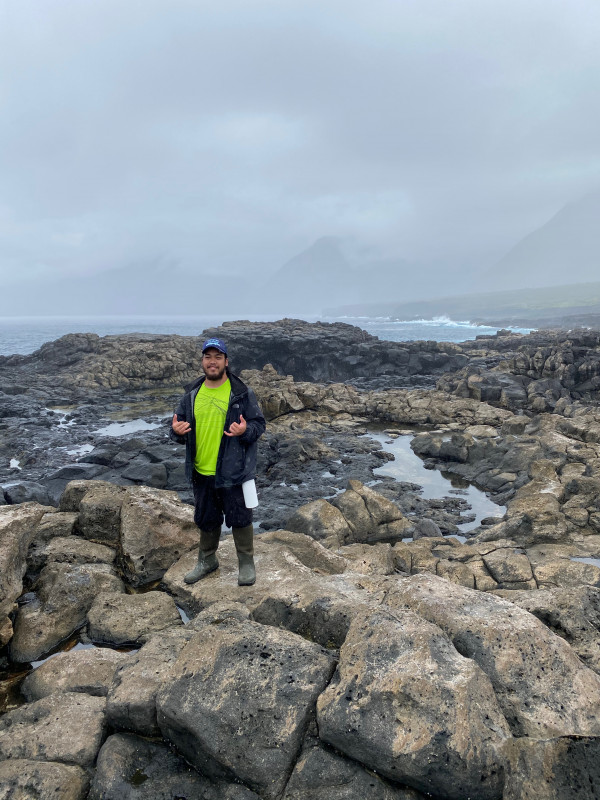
x,y
230,135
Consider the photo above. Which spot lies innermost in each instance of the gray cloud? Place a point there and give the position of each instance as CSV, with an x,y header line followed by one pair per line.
x,y
223,137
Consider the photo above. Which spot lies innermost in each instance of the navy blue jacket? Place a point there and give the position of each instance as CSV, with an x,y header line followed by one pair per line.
x,y
236,461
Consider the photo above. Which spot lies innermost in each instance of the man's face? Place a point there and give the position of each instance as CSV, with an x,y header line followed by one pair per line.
x,y
214,363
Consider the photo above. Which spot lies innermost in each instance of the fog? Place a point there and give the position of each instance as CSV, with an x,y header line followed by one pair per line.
x,y
163,155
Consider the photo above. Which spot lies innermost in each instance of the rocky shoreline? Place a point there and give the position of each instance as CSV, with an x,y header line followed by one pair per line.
x,y
378,656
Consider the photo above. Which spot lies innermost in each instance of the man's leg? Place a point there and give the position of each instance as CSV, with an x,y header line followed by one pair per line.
x,y
208,516
239,519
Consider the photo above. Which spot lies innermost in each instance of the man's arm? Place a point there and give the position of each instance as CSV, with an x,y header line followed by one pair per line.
x,y
255,422
180,427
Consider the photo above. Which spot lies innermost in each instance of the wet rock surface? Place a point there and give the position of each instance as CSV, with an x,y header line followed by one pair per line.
x,y
382,608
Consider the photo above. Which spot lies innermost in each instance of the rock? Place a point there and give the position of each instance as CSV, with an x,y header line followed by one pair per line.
x,y
156,530
426,528
154,475
370,558
307,551
75,491
542,687
65,594
120,619
552,769
88,671
17,531
66,727
403,701
130,768
322,521
59,524
131,701
566,574
322,773
509,568
100,513
238,700
572,613
25,492
22,779
69,550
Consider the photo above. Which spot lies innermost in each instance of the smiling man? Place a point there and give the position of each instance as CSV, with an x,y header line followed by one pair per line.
x,y
219,421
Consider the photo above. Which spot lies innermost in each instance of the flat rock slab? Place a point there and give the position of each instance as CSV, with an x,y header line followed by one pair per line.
x,y
130,768
23,779
88,671
321,773
65,727
541,685
238,700
69,550
119,619
65,594
407,705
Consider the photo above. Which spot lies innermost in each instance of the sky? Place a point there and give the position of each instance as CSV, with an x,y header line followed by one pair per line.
x,y
227,137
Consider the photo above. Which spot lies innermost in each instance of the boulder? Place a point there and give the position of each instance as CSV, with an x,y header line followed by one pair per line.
x,y
542,687
509,569
131,700
238,700
552,769
64,596
75,491
120,619
17,530
100,512
370,558
322,521
89,671
58,524
68,727
22,779
26,492
156,530
321,773
564,573
403,702
69,550
130,768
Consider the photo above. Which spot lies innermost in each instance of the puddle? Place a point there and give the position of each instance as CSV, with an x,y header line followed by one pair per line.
x,y
586,560
80,450
78,646
184,617
14,464
123,428
408,467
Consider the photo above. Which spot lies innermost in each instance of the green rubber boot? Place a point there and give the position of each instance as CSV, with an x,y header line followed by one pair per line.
x,y
207,560
244,545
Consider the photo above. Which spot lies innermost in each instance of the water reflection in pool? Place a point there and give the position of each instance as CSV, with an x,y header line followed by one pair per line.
x,y
408,467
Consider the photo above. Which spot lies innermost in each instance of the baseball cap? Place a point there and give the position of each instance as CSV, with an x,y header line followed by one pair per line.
x,y
218,344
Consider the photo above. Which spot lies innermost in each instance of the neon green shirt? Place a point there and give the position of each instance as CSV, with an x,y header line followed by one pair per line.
x,y
210,411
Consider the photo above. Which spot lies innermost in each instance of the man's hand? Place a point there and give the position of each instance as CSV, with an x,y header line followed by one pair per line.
x,y
180,428
237,428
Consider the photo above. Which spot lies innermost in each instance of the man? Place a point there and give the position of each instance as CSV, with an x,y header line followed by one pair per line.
x,y
219,421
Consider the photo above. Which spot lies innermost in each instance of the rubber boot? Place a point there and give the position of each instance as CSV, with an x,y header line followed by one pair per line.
x,y
244,545
207,559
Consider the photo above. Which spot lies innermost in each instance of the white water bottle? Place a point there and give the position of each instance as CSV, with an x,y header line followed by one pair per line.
x,y
250,496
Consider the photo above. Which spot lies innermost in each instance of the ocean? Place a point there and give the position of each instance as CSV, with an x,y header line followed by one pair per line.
x,y
24,335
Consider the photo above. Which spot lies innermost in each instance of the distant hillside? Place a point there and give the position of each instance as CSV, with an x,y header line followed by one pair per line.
x,y
555,305
565,250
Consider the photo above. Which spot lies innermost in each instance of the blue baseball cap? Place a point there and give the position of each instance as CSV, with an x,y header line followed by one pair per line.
x,y
218,344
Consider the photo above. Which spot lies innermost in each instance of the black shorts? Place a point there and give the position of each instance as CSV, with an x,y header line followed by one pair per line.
x,y
211,504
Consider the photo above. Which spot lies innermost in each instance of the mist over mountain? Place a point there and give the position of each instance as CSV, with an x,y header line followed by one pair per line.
x,y
565,250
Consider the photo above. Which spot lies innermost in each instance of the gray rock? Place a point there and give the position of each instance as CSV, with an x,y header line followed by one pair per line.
x,y
25,779
542,687
120,619
238,700
426,528
403,702
65,594
131,701
89,671
142,471
69,550
321,773
130,768
17,530
322,521
100,513
57,525
66,727
553,769
156,530
74,493
25,492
